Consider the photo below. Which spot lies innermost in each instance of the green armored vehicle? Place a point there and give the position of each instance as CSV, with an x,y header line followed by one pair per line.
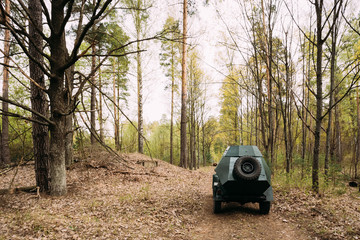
x,y
243,176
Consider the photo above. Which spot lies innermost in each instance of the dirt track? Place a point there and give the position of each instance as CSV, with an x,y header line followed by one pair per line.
x,y
107,201
241,221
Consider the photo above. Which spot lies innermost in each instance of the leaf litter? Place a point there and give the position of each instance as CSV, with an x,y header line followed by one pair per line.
x,y
107,200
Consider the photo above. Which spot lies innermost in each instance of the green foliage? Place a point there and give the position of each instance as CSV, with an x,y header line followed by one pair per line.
x,y
159,139
170,57
128,138
20,142
231,100
20,137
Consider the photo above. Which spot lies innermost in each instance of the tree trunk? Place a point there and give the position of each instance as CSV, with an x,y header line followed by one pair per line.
x,y
101,122
357,142
191,142
203,141
236,126
183,137
5,106
69,133
303,111
172,124
337,151
198,144
319,96
193,133
58,102
268,50
69,158
259,100
40,133
331,95
139,79
57,154
116,117
286,107
93,97
172,105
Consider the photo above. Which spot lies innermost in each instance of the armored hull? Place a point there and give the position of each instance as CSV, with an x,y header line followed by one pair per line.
x,y
242,175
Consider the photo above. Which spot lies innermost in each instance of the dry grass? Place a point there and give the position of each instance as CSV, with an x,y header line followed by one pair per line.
x,y
107,200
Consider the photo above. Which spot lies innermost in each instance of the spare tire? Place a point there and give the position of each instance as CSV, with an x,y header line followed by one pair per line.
x,y
246,168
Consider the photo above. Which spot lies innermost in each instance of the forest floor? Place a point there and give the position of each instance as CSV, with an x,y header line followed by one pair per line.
x,y
107,200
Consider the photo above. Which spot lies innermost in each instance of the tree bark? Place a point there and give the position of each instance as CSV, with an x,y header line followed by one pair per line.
x,y
357,142
172,104
69,133
259,98
40,133
101,122
93,97
268,52
192,146
5,106
303,111
58,99
319,95
337,151
69,151
331,94
140,104
183,137
139,79
116,118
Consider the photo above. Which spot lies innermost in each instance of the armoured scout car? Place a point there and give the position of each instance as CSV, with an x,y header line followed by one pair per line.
x,y
243,176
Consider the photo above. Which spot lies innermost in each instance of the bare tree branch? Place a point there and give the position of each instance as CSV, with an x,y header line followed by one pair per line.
x,y
22,72
10,114
74,55
46,119
302,31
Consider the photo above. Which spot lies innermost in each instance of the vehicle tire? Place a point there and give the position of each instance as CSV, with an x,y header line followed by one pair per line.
x,y
217,206
264,207
247,168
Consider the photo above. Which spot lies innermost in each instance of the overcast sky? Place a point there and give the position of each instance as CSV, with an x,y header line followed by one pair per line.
x,y
206,29
203,33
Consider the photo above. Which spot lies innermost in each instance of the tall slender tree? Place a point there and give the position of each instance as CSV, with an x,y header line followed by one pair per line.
x,y
93,96
139,12
5,106
321,37
138,22
333,63
169,58
183,137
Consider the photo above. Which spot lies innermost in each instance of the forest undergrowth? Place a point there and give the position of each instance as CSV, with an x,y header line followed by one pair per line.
x,y
107,200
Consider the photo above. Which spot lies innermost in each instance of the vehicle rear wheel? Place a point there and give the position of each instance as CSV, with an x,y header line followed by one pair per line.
x,y
264,207
217,206
247,168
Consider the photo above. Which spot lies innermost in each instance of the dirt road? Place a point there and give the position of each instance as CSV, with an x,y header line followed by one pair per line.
x,y
241,221
108,201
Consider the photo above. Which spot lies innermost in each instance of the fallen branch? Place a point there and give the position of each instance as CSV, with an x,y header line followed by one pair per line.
x,y
17,190
135,173
16,171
